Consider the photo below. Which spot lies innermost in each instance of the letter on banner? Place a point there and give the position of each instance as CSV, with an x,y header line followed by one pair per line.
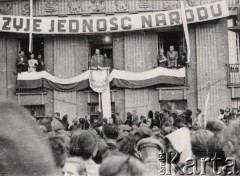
x,y
146,20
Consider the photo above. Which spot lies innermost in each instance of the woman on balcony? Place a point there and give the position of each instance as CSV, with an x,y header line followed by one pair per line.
x,y
32,64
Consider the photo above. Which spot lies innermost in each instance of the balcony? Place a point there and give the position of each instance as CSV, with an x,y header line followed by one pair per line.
x,y
233,75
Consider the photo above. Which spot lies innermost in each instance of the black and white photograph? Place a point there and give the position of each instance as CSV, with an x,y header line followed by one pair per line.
x,y
119,87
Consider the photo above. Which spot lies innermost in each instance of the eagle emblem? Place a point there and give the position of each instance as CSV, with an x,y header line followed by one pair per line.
x,y
99,80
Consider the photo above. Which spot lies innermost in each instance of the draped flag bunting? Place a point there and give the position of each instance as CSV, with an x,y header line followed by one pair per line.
x,y
117,78
99,81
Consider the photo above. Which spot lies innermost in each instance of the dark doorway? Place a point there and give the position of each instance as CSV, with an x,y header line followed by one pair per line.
x,y
101,42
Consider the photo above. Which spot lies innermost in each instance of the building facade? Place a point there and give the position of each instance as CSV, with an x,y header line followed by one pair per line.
x,y
68,55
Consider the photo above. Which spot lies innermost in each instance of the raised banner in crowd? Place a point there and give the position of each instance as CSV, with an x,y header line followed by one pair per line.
x,y
115,23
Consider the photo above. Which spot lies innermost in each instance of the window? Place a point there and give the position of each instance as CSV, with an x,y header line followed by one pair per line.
x,y
173,38
177,105
93,105
38,46
171,41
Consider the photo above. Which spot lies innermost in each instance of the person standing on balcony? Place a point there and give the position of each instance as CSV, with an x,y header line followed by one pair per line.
x,y
172,57
32,64
162,60
97,60
21,62
107,61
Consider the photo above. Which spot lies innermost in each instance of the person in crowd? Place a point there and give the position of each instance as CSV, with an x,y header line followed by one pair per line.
x,y
128,145
102,151
143,121
156,119
22,62
41,64
74,167
230,140
107,61
150,119
97,60
162,60
199,120
110,136
123,165
221,114
188,117
172,57
214,145
129,119
65,122
74,125
182,60
59,150
24,148
83,124
32,64
199,141
83,144
57,122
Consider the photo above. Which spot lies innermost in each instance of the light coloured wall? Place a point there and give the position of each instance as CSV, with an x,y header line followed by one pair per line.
x,y
140,50
212,57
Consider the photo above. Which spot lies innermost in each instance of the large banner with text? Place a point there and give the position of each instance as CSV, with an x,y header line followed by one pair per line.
x,y
114,23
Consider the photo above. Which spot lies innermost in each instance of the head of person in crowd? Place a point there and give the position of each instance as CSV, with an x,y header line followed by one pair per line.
x,y
102,151
105,121
74,167
121,166
129,119
56,115
199,111
83,144
142,132
199,141
215,126
128,145
22,144
110,131
221,111
59,149
83,124
230,140
105,56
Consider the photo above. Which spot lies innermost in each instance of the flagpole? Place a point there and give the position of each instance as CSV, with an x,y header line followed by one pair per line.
x,y
31,25
185,28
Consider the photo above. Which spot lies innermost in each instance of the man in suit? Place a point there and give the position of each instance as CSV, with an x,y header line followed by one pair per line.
x,y
97,60
21,63
172,57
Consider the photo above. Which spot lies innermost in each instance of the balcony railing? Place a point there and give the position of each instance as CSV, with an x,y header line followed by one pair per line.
x,y
233,74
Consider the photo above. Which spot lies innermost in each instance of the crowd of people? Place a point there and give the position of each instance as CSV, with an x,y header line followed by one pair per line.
x,y
110,147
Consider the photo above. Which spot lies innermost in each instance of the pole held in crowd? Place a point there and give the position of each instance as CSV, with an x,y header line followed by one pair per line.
x,y
206,104
185,28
